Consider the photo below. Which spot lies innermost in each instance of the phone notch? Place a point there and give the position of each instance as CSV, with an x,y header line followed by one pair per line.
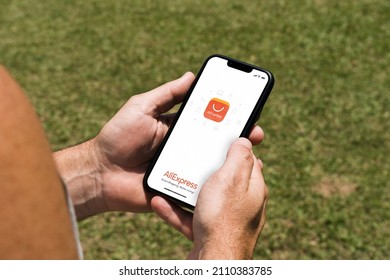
x,y
240,66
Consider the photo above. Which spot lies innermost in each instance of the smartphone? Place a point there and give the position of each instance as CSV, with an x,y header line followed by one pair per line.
x,y
223,104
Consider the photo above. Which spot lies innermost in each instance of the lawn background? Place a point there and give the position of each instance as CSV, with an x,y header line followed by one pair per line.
x,y
327,147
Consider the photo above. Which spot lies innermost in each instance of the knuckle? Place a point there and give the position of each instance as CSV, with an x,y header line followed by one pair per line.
x,y
135,99
139,102
246,154
218,178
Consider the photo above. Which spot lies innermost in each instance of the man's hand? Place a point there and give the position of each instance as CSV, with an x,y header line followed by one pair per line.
x,y
230,212
105,173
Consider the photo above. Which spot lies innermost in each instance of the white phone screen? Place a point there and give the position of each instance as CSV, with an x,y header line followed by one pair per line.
x,y
213,117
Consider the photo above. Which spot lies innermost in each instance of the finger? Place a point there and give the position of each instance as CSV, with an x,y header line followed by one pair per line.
x,y
261,163
257,167
263,197
239,161
257,135
257,174
257,186
163,98
173,215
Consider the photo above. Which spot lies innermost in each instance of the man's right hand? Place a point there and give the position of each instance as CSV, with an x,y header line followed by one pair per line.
x,y
230,211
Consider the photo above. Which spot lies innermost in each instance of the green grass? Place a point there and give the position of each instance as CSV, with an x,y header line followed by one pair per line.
x,y
327,122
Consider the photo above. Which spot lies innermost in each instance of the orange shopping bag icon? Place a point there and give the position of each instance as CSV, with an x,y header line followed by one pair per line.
x,y
216,110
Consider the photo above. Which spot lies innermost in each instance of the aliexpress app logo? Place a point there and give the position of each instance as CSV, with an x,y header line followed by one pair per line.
x,y
216,110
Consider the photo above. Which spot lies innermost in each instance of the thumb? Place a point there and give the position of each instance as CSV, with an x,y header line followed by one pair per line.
x,y
239,160
240,152
163,98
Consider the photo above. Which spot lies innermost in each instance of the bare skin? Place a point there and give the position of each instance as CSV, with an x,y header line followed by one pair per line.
x,y
35,222
106,172
228,218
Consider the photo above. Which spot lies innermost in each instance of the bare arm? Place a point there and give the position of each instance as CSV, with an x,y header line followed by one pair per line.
x,y
35,222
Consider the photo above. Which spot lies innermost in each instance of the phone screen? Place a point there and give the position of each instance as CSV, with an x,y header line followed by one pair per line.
x,y
221,104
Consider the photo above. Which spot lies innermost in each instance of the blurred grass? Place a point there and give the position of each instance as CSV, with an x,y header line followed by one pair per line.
x,y
327,146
